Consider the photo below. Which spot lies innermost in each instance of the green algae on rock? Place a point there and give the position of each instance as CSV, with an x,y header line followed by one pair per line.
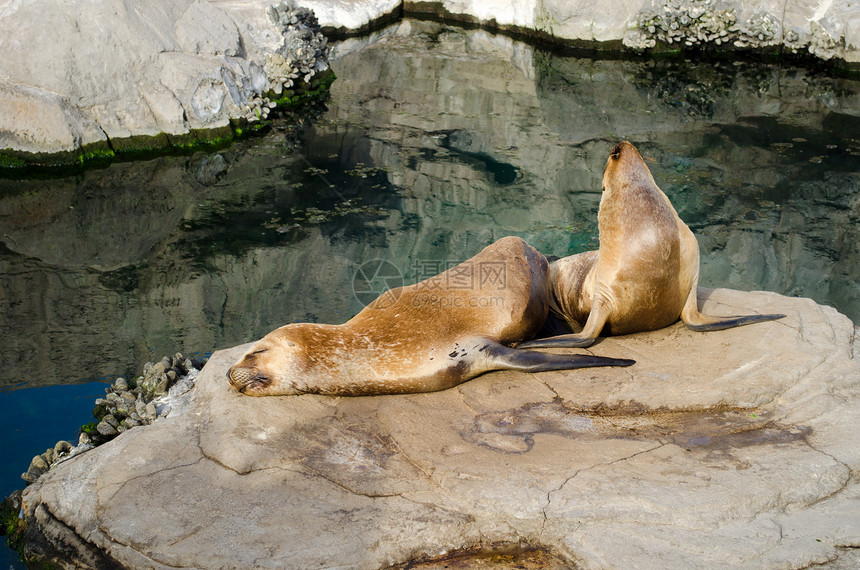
x,y
17,163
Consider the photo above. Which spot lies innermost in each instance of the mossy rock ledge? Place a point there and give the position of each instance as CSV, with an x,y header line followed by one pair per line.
x,y
103,82
730,449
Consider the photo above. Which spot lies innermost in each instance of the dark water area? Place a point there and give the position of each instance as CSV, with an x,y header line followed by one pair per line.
x,y
31,421
35,419
435,142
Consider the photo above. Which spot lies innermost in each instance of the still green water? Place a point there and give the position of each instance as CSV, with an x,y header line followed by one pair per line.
x,y
436,142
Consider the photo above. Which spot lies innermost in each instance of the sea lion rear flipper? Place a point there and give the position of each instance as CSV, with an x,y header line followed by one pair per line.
x,y
506,358
697,321
705,323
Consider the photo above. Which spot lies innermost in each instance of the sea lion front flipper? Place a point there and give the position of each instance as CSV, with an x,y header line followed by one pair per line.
x,y
597,318
506,358
703,323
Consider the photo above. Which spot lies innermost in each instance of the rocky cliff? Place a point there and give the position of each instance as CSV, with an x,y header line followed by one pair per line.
x,y
118,76
124,76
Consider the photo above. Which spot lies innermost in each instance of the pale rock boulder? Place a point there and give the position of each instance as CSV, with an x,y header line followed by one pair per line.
x,y
93,57
591,21
205,29
36,120
90,72
731,449
352,15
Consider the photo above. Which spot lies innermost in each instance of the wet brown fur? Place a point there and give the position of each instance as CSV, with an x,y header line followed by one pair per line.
x,y
645,274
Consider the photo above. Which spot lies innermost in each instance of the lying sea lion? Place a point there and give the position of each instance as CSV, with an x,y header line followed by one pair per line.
x,y
421,338
645,274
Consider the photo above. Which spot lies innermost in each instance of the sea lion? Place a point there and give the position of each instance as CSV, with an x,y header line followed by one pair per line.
x,y
420,338
646,271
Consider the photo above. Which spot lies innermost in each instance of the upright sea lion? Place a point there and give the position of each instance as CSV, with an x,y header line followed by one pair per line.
x,y
421,338
645,274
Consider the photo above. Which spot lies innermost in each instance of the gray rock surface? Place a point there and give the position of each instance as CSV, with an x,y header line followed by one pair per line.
x,y
732,449
89,73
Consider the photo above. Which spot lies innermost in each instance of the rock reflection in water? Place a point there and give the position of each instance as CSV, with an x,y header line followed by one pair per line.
x,y
436,142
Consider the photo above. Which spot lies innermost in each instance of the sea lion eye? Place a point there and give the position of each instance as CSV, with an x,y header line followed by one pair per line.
x,y
260,351
261,379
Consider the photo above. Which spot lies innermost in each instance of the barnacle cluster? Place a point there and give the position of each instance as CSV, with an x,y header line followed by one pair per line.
x,y
302,54
304,49
127,404
697,23
820,42
692,22
140,401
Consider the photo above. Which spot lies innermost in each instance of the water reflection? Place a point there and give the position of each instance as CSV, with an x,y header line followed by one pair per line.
x,y
436,142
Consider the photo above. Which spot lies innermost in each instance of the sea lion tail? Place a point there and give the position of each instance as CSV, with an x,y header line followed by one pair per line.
x,y
506,358
704,323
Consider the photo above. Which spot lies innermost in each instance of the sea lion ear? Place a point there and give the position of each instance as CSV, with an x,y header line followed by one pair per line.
x,y
616,150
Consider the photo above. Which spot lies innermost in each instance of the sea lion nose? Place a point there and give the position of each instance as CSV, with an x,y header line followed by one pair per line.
x,y
241,377
238,376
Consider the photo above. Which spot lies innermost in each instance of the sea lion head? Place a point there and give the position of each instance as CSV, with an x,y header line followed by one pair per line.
x,y
275,365
625,167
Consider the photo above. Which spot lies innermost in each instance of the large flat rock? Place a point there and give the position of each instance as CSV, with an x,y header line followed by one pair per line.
x,y
734,449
